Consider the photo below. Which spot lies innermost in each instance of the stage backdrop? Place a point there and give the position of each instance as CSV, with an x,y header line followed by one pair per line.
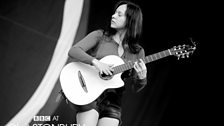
x,y
30,30
28,35
40,34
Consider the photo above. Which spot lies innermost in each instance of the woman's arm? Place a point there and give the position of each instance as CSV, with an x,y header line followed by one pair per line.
x,y
78,51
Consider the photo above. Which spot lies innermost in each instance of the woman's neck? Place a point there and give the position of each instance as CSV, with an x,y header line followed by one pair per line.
x,y
119,36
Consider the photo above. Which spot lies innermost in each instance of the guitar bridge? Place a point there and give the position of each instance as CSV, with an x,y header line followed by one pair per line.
x,y
82,82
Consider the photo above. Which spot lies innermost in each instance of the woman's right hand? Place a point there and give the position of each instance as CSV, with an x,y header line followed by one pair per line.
x,y
103,67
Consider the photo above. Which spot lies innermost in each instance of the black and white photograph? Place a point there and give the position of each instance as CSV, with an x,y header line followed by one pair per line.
x,y
103,63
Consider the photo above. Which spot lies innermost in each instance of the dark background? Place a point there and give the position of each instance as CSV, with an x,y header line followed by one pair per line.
x,y
175,92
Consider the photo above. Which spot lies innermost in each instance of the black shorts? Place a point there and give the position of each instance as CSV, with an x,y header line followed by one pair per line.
x,y
107,105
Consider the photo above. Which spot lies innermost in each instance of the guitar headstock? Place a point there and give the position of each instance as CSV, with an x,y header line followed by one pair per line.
x,y
182,51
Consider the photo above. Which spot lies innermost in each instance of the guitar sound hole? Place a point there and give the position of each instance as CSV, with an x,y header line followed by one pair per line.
x,y
105,77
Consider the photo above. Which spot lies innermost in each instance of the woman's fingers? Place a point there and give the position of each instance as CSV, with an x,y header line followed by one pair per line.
x,y
108,69
140,68
142,64
137,67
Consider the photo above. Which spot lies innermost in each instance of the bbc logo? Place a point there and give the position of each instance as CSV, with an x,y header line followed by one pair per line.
x,y
42,118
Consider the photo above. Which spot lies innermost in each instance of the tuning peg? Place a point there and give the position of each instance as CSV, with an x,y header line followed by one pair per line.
x,y
179,46
178,57
182,56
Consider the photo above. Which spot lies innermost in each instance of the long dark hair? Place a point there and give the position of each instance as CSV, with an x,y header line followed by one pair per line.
x,y
134,19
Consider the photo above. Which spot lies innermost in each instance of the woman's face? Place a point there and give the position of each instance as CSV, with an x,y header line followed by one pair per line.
x,y
119,18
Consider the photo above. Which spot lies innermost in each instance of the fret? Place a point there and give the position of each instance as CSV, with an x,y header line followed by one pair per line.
x,y
164,52
155,56
116,70
122,67
130,65
126,66
169,52
146,60
160,55
151,58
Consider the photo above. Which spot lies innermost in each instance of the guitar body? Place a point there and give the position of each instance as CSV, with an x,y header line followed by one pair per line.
x,y
72,83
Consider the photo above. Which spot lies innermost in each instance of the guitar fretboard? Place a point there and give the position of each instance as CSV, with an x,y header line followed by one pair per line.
x,y
147,59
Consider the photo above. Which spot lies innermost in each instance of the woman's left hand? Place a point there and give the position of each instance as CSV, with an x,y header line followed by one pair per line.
x,y
141,69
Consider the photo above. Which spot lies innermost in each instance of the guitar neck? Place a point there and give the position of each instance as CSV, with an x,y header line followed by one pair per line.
x,y
147,59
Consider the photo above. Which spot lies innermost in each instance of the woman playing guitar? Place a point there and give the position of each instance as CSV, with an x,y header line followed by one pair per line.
x,y
120,39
